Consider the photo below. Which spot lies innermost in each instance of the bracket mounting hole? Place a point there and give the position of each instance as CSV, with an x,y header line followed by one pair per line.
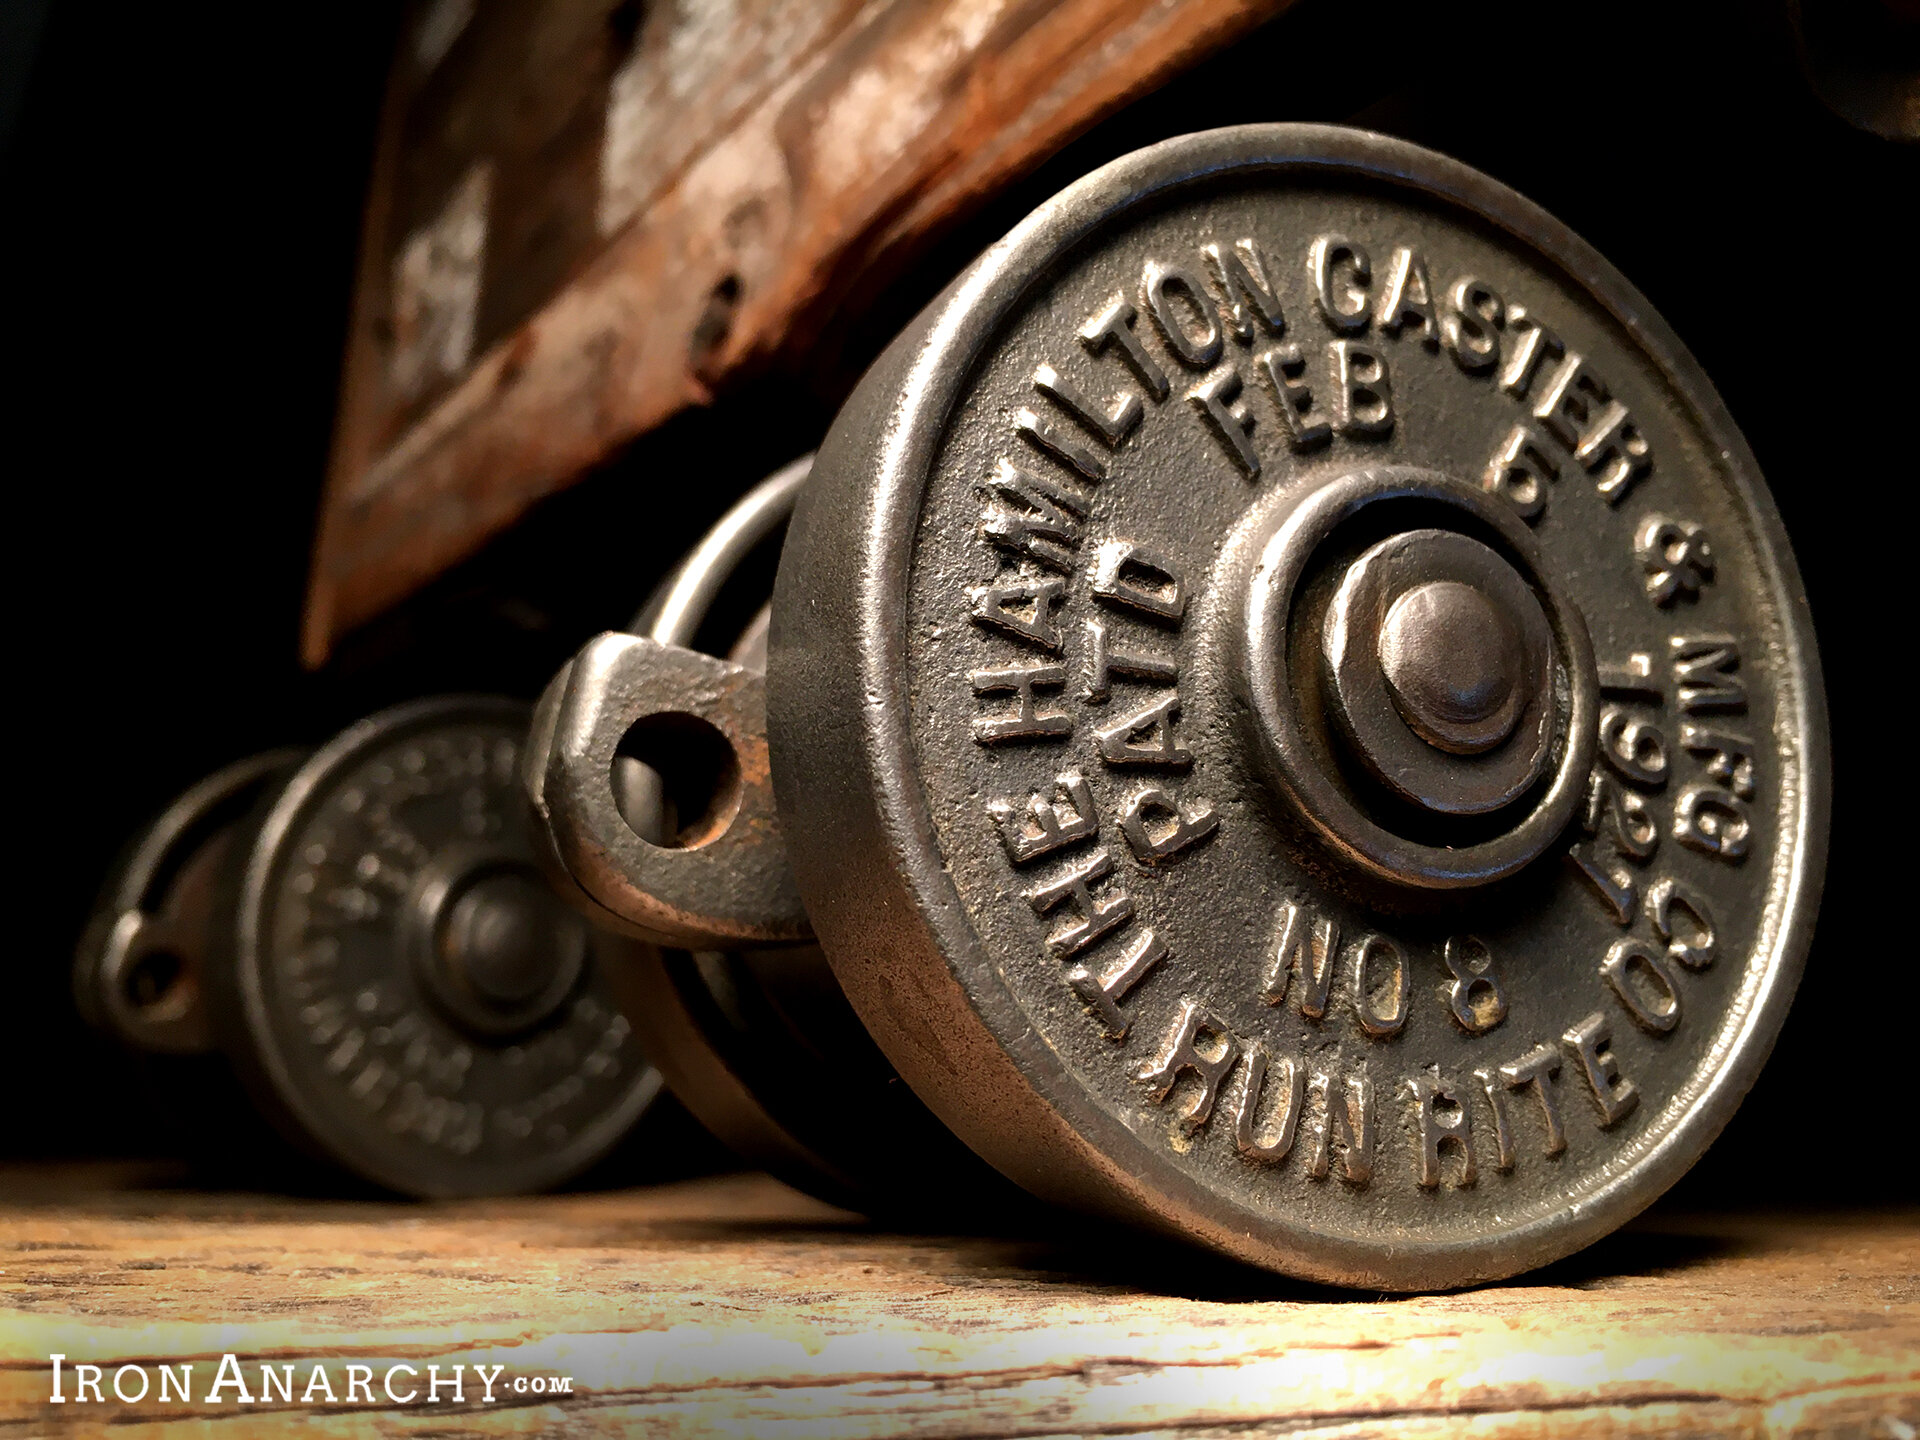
x,y
676,780
150,981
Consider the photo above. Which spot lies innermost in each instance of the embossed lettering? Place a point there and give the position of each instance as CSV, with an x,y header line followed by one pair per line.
x,y
1032,515
1043,825
1624,829
1474,997
1495,1090
1228,419
1105,660
1022,607
1643,984
1180,312
1622,817
1711,820
1382,1010
1692,944
1634,748
1577,409
1177,829
1613,1094
1729,757
1289,1087
1147,737
1533,343
1103,991
1407,298
1049,439
1200,1044
1537,1068
1306,943
1614,450
1676,555
1520,471
1612,882
1126,574
1633,680
1363,391
1093,916
1284,366
1347,1123
1340,271
1024,721
1441,1119
1112,425
1470,324
1567,400
375,1084
1611,446
1114,326
1703,678
1242,278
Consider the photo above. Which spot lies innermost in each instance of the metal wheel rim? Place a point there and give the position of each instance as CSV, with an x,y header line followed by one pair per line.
x,y
926,922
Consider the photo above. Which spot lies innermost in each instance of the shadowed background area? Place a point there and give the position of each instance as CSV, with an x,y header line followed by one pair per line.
x,y
182,197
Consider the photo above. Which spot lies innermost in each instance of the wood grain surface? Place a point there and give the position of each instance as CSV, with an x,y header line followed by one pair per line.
x,y
733,1306
587,216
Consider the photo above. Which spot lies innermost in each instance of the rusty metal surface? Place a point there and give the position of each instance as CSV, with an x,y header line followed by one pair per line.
x,y
715,877
710,870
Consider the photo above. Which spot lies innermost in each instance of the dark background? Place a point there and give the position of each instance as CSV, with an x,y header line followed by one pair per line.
x,y
180,207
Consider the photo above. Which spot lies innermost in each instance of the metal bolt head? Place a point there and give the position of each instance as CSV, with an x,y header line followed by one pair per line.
x,y
496,937
493,945
1440,662
1454,666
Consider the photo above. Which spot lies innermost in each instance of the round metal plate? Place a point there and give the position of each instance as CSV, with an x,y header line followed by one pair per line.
x,y
407,993
1054,678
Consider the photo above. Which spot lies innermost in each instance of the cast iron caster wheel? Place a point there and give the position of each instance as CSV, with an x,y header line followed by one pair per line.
x,y
365,936
1290,713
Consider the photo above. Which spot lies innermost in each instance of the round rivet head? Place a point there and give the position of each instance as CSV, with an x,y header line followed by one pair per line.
x,y
499,936
1295,720
493,946
1454,665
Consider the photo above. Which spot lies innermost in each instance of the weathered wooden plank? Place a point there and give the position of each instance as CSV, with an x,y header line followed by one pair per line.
x,y
734,1306
521,312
